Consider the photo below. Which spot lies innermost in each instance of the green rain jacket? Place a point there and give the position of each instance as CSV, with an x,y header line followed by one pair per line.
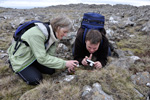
x,y
26,55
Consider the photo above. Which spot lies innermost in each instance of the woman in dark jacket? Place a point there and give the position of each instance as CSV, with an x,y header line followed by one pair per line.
x,y
95,47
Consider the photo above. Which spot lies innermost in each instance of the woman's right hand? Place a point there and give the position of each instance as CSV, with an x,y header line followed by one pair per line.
x,y
70,64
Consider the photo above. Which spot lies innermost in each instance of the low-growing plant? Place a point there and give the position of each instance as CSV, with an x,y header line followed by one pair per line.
x,y
139,45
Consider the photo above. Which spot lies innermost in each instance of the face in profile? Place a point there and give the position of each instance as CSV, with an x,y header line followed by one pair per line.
x,y
91,47
61,32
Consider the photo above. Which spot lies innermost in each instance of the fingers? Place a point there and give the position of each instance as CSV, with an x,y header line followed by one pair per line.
x,y
90,56
71,69
86,57
75,63
71,64
98,65
84,62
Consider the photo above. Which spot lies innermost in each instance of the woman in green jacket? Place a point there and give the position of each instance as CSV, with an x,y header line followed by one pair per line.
x,y
29,62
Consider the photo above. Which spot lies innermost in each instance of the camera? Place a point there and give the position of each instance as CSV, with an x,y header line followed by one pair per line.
x,y
90,62
77,64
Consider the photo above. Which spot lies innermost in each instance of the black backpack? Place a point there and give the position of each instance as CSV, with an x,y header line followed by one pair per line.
x,y
23,28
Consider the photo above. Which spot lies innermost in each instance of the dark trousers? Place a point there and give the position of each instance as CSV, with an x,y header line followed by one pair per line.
x,y
32,75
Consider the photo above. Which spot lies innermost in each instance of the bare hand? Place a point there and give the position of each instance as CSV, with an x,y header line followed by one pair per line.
x,y
98,65
70,64
84,62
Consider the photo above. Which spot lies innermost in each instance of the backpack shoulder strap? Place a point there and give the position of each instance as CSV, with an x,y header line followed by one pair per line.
x,y
22,28
48,29
27,26
84,34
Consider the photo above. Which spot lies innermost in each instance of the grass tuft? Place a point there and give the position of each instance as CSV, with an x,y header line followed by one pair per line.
x,y
139,45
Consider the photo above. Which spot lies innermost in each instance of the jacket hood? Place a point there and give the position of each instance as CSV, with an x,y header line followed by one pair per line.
x,y
52,38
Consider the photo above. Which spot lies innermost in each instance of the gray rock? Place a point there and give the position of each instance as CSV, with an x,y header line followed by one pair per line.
x,y
95,93
125,62
141,78
87,93
101,94
139,94
2,55
120,53
146,27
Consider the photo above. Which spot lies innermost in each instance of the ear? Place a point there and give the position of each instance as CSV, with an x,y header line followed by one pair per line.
x,y
85,41
58,28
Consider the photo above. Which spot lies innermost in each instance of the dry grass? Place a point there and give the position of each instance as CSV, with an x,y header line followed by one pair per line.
x,y
48,90
5,40
114,81
11,87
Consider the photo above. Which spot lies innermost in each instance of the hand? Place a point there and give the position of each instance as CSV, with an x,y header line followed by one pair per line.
x,y
98,65
70,64
84,62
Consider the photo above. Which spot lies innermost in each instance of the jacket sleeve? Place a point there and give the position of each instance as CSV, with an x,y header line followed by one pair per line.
x,y
37,46
103,53
78,47
78,51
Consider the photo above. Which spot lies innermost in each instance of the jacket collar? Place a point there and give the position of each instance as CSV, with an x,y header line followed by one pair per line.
x,y
52,38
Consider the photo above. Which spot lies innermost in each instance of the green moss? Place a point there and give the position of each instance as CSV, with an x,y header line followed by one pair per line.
x,y
138,45
134,50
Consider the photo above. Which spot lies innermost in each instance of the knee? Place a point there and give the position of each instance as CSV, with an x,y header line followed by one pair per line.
x,y
35,81
52,71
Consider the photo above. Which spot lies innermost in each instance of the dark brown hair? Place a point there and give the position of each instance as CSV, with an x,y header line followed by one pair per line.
x,y
94,36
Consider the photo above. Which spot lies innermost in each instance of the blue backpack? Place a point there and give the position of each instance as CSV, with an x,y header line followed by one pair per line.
x,y
23,28
92,20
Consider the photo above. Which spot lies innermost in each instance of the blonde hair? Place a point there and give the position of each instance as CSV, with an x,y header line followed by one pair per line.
x,y
61,21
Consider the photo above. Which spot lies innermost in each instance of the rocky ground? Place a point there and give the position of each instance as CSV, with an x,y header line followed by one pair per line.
x,y
125,76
